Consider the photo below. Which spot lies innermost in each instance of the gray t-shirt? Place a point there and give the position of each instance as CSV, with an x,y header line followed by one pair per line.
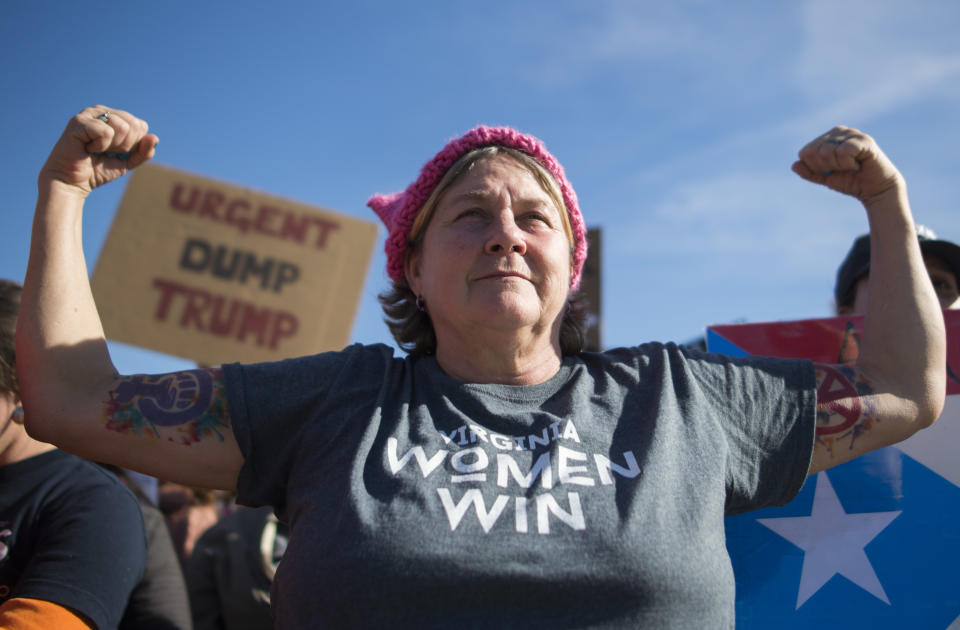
x,y
595,499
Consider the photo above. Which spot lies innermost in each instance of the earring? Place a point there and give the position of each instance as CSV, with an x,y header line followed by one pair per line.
x,y
421,305
17,415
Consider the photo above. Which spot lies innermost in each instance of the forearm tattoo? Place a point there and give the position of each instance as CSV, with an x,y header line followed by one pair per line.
x,y
190,404
845,409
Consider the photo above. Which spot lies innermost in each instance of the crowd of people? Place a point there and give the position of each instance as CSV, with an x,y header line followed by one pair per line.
x,y
496,475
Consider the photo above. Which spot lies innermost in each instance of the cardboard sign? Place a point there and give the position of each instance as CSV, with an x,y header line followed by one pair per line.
x,y
216,273
874,542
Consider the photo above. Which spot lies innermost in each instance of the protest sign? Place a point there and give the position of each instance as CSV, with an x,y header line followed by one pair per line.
x,y
215,272
874,542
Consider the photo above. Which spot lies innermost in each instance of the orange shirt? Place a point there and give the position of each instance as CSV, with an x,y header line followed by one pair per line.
x,y
21,613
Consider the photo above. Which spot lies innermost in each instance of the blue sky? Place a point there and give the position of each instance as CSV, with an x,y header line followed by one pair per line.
x,y
676,122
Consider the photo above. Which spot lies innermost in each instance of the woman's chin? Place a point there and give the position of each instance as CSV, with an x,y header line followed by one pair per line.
x,y
507,311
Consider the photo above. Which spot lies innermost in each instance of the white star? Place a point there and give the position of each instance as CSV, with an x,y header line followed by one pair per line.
x,y
833,542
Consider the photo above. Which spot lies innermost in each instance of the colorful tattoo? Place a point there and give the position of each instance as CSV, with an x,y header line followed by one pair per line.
x,y
844,408
191,402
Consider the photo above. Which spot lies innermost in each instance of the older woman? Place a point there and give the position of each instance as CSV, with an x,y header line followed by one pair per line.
x,y
496,476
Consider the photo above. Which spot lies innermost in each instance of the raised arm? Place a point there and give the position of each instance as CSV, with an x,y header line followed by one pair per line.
x,y
898,384
173,426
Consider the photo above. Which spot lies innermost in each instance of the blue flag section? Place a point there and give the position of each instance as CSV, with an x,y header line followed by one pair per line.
x,y
871,543
862,545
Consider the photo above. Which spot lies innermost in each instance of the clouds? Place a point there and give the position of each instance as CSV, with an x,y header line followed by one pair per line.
x,y
816,62
677,122
862,58
713,204
656,48
721,221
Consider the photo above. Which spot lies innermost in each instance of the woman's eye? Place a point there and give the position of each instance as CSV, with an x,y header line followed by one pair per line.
x,y
469,213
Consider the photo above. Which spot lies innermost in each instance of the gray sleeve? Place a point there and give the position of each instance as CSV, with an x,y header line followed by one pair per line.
x,y
270,403
767,415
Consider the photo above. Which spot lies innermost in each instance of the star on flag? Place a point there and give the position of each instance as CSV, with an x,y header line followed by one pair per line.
x,y
833,542
871,543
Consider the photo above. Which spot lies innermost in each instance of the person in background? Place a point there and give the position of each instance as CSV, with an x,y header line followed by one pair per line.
x,y
231,569
497,475
188,512
159,601
72,547
941,258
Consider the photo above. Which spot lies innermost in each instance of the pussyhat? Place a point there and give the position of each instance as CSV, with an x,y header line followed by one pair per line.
x,y
398,210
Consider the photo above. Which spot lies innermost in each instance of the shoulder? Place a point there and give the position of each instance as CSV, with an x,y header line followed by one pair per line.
x,y
675,361
645,353
88,491
355,356
651,355
69,479
308,379
94,507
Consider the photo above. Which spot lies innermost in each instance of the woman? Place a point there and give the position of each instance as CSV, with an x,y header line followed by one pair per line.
x,y
76,548
496,476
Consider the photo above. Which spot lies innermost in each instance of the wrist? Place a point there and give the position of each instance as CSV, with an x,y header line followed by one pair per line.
x,y
51,190
893,196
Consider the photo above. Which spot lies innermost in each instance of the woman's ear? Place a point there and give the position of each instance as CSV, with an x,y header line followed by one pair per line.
x,y
411,270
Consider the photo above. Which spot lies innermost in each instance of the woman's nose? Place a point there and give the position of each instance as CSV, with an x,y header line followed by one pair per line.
x,y
505,236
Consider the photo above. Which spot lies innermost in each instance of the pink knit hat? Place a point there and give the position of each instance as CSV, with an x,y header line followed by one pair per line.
x,y
398,210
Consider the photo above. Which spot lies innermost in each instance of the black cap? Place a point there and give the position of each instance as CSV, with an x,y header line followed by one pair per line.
x,y
857,262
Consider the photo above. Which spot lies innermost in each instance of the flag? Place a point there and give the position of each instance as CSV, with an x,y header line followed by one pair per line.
x,y
872,542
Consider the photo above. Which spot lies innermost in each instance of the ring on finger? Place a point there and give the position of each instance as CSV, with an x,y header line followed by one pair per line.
x,y
104,117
